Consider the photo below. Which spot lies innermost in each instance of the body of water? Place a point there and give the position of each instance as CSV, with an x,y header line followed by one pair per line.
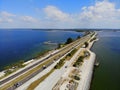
x,y
107,49
19,44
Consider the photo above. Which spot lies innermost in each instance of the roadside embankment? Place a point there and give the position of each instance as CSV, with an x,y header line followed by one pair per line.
x,y
78,74
86,69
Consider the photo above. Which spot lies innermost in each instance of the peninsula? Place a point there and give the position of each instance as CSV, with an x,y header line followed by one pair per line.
x,y
68,67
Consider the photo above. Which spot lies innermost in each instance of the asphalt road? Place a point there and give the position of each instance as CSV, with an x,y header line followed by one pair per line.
x,y
55,56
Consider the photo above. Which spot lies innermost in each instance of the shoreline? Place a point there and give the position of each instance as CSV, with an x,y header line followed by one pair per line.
x,y
28,63
85,75
91,72
87,70
92,54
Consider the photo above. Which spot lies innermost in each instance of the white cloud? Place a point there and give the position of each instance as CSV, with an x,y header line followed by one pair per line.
x,y
6,17
102,15
54,13
6,14
29,19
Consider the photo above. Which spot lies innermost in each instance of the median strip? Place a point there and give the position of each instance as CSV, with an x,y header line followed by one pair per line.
x,y
34,84
6,86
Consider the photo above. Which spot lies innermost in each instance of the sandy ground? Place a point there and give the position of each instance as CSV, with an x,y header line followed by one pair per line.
x,y
2,73
50,81
86,71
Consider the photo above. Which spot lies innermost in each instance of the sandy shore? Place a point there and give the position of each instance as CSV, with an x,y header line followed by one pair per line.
x,y
28,64
86,71
2,73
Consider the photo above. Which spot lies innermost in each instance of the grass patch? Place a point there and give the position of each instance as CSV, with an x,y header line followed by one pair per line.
x,y
71,53
60,64
9,69
84,54
76,77
93,39
79,60
34,84
62,61
12,68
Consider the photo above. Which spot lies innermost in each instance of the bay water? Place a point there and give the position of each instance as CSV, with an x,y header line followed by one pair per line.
x,y
107,49
24,44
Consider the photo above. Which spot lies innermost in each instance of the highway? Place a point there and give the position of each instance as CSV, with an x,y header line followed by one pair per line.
x,y
51,57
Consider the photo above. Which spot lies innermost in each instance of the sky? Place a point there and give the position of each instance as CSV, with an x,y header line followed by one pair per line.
x,y
62,14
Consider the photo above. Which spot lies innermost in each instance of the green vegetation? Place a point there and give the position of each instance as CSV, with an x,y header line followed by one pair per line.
x,y
73,84
62,61
69,40
71,53
86,53
78,37
13,67
93,39
60,45
76,77
59,64
79,60
87,32
92,34
34,84
86,44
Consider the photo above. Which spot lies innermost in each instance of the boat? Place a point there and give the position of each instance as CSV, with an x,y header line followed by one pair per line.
x,y
97,63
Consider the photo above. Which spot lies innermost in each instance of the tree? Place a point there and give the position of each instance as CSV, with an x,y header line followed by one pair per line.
x,y
86,44
78,37
69,40
59,45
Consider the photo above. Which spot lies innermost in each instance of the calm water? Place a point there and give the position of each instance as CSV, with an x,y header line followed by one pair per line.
x,y
107,75
18,45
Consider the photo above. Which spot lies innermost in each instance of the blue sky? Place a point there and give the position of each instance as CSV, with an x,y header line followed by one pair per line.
x,y
59,14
